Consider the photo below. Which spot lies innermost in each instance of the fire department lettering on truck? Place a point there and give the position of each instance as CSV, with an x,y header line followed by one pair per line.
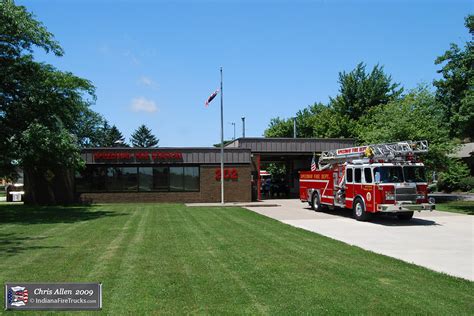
x,y
323,179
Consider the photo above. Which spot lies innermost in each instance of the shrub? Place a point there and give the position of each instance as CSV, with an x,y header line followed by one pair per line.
x,y
467,184
451,179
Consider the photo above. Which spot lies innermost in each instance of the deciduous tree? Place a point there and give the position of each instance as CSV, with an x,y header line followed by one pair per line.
x,y
41,108
359,91
455,91
417,116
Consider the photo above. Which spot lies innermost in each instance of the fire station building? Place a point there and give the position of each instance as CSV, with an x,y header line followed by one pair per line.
x,y
182,174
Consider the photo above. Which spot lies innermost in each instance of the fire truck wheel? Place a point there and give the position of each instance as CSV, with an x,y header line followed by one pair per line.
x,y
359,211
405,216
315,202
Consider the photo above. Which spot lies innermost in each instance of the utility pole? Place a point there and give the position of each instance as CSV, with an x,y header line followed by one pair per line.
x,y
233,124
243,126
294,127
222,141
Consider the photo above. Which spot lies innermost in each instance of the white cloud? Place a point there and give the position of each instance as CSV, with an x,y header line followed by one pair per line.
x,y
142,104
148,82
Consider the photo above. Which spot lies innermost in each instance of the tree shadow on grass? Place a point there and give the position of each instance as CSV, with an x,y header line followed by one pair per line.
x,y
11,244
25,214
466,209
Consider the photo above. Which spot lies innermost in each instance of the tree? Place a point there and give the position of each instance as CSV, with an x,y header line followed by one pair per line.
x,y
279,127
20,32
142,137
226,142
112,137
317,120
90,129
417,116
455,91
40,108
360,91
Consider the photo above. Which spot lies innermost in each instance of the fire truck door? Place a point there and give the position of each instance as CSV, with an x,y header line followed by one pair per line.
x,y
349,186
336,189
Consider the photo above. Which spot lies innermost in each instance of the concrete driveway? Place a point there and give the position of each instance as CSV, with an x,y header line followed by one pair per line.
x,y
439,241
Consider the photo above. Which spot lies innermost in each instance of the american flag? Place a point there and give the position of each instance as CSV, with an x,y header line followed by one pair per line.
x,y
18,296
313,163
211,97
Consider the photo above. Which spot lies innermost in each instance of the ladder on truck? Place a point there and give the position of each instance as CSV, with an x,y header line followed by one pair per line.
x,y
388,151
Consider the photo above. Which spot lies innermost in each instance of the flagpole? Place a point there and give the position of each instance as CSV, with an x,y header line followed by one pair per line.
x,y
222,142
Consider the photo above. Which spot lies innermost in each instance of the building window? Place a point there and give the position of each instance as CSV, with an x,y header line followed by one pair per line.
x,y
133,179
191,178
176,179
98,179
145,179
161,177
122,179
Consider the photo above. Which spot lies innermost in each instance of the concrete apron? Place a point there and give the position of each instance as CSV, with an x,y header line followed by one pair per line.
x,y
440,241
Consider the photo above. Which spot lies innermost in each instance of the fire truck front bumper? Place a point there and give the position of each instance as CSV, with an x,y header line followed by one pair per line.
x,y
404,207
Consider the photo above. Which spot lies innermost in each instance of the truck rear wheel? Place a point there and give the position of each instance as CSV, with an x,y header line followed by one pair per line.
x,y
315,202
359,211
405,216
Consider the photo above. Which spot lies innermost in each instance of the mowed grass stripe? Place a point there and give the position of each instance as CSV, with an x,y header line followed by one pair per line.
x,y
170,259
109,248
205,236
127,284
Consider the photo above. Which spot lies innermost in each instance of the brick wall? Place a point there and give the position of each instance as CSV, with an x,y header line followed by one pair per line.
x,y
234,190
238,190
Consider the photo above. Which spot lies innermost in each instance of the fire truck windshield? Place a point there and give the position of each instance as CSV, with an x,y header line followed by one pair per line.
x,y
388,174
414,174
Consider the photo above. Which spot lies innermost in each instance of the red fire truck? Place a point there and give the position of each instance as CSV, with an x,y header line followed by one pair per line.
x,y
386,178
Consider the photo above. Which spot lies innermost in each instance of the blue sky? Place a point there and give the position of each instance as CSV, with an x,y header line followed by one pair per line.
x,y
156,62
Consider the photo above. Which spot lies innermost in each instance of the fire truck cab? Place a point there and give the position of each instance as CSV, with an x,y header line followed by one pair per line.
x,y
386,178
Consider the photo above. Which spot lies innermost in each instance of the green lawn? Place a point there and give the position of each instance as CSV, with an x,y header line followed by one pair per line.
x,y
463,207
172,259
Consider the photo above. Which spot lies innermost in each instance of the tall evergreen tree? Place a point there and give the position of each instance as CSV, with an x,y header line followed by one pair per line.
x,y
113,137
142,137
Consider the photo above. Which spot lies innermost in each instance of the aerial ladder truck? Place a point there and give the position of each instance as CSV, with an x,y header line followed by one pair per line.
x,y
379,178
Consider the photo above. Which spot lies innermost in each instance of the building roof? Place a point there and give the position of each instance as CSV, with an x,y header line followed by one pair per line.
x,y
290,145
466,150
